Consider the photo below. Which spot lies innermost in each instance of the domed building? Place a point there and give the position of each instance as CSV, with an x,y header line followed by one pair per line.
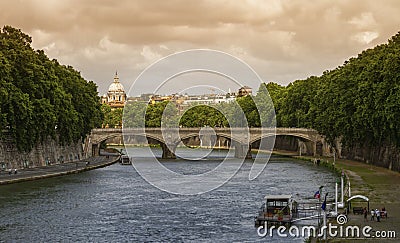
x,y
116,96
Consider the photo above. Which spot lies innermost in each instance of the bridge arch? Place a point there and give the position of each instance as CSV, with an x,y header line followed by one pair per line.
x,y
305,137
242,149
306,144
100,139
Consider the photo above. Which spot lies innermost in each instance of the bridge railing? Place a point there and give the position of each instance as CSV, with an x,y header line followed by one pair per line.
x,y
278,129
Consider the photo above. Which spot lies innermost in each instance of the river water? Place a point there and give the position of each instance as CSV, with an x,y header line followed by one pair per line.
x,y
114,204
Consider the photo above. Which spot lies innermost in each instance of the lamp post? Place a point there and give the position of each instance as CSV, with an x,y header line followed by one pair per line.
x,y
336,197
342,187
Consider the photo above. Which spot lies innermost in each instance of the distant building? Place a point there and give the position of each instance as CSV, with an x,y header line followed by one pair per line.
x,y
146,97
244,91
208,99
158,98
183,101
116,96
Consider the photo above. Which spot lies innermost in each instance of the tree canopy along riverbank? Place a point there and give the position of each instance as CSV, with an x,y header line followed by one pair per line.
x,y
357,103
40,98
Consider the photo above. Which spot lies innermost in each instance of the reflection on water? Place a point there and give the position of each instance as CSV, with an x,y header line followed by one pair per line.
x,y
116,204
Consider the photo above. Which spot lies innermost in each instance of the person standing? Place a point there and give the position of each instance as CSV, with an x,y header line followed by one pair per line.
x,y
372,215
378,215
365,214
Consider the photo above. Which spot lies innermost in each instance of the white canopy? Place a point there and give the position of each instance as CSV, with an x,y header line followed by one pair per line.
x,y
358,196
278,197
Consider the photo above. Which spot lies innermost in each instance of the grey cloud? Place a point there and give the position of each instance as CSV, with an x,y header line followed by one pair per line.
x,y
283,40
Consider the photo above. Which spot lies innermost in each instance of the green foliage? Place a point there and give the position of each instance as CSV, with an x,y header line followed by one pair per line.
x,y
170,116
134,114
249,108
112,118
154,114
358,102
39,98
264,101
202,115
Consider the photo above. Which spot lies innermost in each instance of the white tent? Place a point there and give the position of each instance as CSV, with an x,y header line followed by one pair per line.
x,y
360,197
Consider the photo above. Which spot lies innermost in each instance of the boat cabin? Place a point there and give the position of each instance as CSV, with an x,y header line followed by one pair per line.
x,y
125,160
279,206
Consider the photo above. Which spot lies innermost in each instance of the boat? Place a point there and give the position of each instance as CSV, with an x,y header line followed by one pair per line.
x,y
125,160
280,209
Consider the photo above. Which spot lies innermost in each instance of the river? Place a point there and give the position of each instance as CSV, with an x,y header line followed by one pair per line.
x,y
114,204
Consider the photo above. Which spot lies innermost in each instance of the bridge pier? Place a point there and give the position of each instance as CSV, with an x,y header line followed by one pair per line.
x,y
95,150
307,147
311,148
167,153
243,151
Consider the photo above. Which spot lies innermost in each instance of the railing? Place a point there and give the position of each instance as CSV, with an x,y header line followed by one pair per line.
x,y
278,129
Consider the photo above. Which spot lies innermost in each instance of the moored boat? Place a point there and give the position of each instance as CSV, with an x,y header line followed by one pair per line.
x,y
277,208
125,160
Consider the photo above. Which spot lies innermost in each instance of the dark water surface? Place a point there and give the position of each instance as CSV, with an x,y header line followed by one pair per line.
x,y
114,204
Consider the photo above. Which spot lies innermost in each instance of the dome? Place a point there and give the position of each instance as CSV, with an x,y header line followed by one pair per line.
x,y
116,86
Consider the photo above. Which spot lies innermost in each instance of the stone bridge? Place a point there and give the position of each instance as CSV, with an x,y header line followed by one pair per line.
x,y
242,139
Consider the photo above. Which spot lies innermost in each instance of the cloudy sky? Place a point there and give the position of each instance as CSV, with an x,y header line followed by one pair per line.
x,y
283,40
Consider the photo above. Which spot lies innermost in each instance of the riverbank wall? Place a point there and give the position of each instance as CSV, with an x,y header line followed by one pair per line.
x,y
46,153
386,156
57,169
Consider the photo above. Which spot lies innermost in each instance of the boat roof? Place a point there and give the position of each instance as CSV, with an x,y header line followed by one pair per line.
x,y
277,197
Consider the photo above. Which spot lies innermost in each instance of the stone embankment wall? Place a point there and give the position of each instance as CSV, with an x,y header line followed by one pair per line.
x,y
385,156
42,154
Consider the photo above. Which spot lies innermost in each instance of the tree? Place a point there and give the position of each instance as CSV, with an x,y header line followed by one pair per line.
x,y
41,99
134,114
201,116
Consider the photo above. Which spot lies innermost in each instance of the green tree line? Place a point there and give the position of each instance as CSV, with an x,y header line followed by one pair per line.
x,y
358,102
41,99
